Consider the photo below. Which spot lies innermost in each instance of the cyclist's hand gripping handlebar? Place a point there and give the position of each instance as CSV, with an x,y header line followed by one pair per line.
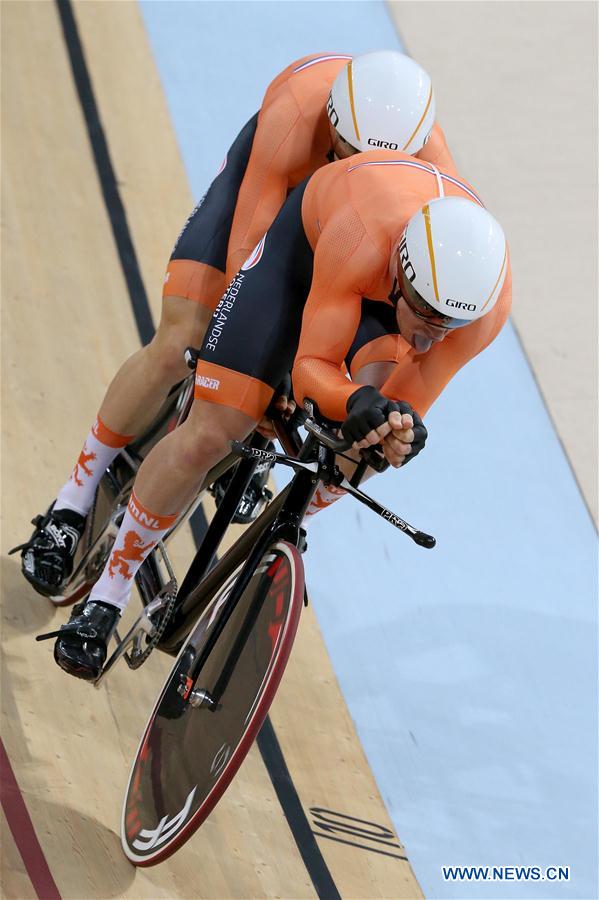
x,y
368,410
373,457
329,439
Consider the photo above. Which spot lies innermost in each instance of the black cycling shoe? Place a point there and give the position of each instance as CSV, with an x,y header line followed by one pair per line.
x,y
81,645
256,495
47,557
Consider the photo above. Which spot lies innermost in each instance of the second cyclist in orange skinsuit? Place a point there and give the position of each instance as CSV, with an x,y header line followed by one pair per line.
x,y
293,140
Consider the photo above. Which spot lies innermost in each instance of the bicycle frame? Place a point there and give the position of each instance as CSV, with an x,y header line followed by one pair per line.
x,y
282,519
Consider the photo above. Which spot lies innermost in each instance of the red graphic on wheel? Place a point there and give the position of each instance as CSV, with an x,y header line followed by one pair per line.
x,y
189,755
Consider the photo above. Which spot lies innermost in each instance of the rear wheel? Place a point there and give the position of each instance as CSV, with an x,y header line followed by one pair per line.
x,y
188,755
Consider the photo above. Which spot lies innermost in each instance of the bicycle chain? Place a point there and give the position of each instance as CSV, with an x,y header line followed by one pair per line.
x,y
91,521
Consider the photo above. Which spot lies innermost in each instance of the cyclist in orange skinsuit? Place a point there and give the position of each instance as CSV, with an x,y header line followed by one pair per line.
x,y
293,141
299,297
342,236
352,214
368,201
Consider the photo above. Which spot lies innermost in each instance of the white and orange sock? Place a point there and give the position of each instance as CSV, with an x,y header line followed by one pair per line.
x,y
323,497
139,533
99,449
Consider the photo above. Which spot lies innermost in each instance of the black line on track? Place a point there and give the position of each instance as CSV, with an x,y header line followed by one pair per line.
x,y
104,168
294,813
112,198
267,740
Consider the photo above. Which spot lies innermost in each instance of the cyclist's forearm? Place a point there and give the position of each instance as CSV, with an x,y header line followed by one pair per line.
x,y
324,383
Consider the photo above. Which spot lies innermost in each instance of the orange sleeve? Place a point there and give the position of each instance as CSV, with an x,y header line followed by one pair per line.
x,y
420,379
436,151
345,262
278,149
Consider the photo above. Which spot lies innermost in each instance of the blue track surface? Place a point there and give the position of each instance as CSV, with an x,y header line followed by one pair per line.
x,y
470,671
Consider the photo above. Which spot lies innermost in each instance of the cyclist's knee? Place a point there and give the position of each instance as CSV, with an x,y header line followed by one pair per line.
x,y
185,315
182,325
167,351
209,430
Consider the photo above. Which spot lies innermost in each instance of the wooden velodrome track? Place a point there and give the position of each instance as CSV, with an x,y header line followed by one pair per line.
x,y
284,828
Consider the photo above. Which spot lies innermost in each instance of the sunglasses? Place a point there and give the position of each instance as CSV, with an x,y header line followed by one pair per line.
x,y
423,310
349,149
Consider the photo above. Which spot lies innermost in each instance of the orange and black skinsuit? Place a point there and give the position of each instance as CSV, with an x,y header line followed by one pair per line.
x,y
278,148
300,296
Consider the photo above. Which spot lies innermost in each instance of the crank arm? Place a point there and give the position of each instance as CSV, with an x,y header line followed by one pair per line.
x,y
141,628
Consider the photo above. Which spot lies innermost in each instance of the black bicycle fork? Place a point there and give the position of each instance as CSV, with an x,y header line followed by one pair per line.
x,y
284,523
282,520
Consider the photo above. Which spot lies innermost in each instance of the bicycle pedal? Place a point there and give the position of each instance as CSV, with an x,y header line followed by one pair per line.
x,y
129,647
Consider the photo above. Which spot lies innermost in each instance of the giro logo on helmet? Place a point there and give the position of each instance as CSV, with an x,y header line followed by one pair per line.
x,y
384,144
384,93
459,304
452,248
405,260
331,112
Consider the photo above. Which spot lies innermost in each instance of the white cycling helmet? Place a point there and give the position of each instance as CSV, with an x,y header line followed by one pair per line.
x,y
452,261
383,100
